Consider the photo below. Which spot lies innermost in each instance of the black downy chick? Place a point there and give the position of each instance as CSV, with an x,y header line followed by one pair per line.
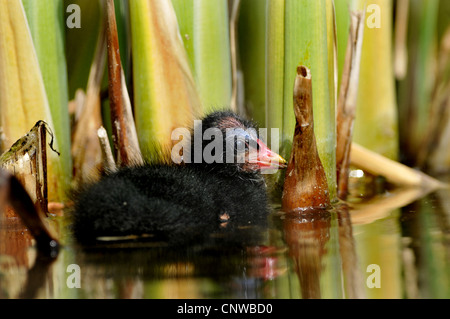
x,y
184,204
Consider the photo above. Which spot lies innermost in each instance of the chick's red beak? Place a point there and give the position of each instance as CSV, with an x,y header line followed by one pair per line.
x,y
267,159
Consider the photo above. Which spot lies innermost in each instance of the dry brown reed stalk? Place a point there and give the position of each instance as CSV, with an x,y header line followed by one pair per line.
x,y
76,105
353,280
124,131
348,95
394,172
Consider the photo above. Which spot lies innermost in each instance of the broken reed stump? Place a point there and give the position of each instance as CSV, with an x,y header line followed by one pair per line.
x,y
305,185
27,161
109,165
23,184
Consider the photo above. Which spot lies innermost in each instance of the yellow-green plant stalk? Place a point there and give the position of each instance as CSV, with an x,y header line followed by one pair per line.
x,y
306,43
415,92
376,115
274,85
204,28
252,57
45,19
165,96
184,9
23,100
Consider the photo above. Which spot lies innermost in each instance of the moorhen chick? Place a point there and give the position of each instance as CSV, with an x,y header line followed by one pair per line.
x,y
182,203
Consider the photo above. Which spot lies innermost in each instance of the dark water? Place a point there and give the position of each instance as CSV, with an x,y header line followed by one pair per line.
x,y
395,245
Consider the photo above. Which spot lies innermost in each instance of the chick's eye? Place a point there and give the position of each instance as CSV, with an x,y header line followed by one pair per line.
x,y
241,145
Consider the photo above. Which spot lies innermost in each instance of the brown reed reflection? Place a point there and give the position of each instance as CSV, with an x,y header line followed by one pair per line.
x,y
353,280
306,234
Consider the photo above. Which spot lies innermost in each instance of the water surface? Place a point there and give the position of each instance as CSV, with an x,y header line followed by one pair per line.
x,y
398,240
